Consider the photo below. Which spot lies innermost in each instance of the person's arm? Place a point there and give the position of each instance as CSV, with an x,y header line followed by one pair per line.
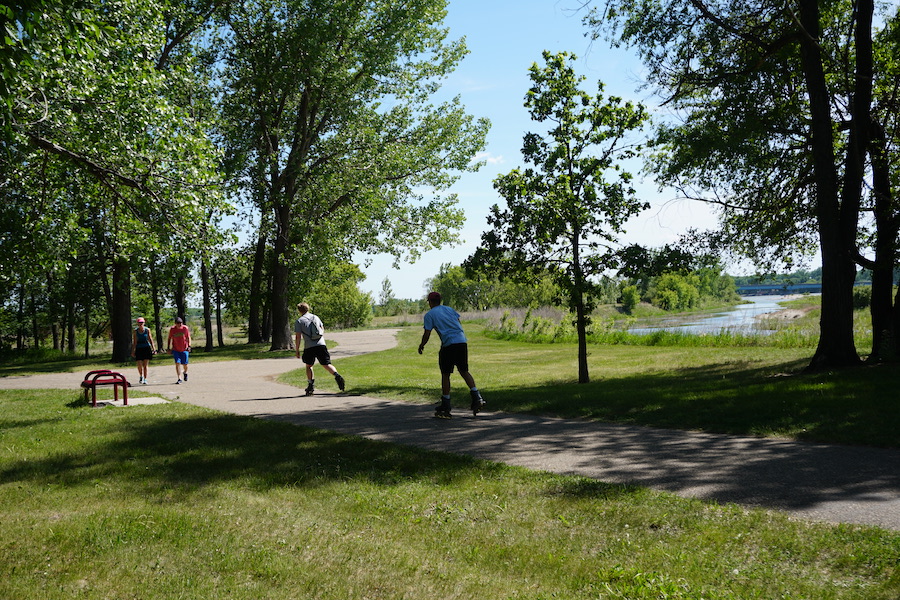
x,y
187,338
297,342
425,337
133,342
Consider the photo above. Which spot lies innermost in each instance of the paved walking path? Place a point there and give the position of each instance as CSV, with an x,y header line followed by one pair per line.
x,y
812,481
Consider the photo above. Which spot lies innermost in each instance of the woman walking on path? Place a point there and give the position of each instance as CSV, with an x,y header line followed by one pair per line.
x,y
142,349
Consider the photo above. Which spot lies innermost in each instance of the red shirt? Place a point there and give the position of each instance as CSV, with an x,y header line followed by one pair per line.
x,y
180,337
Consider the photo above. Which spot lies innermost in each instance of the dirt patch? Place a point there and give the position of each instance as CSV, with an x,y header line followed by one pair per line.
x,y
787,314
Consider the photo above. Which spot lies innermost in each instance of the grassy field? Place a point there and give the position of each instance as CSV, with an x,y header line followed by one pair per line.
x,y
174,501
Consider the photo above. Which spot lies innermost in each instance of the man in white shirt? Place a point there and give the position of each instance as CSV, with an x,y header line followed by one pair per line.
x,y
309,329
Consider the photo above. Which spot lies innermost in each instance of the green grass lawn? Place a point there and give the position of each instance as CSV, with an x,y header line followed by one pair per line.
x,y
175,501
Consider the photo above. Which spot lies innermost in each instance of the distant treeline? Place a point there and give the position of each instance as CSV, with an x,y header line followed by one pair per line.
x,y
473,292
801,276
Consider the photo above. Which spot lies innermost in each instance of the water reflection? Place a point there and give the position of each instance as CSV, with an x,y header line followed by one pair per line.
x,y
740,319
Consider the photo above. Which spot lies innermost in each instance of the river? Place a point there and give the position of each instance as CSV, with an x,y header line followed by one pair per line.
x,y
740,319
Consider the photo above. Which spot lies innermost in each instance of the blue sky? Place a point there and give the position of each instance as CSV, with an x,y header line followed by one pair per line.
x,y
504,38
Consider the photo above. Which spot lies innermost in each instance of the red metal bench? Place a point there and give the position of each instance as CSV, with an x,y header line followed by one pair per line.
x,y
105,377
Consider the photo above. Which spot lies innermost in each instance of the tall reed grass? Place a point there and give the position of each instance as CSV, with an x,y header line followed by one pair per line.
x,y
548,325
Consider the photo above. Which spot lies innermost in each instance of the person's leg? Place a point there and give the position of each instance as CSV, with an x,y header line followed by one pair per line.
x,y
467,377
462,366
179,364
337,376
310,376
324,358
477,401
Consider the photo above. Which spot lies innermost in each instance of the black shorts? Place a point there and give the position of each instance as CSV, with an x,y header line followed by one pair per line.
x,y
313,353
454,355
143,353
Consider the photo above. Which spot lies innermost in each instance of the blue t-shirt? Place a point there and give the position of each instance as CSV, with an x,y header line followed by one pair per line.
x,y
445,321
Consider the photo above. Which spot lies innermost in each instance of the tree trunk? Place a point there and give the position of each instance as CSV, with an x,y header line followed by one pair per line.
x,y
267,317
581,326
218,288
157,305
71,302
578,305
887,228
121,310
895,322
20,319
255,319
35,332
207,304
181,297
281,336
87,331
52,311
836,346
70,320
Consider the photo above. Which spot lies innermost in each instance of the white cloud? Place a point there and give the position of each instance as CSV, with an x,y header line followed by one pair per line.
x,y
489,158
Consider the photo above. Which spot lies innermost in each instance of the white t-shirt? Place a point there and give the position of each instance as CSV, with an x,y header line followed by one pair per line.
x,y
302,326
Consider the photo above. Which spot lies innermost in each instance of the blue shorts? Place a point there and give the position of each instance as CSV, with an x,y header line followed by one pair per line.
x,y
180,357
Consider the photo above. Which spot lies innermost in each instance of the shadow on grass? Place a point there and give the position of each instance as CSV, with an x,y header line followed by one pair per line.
x,y
177,457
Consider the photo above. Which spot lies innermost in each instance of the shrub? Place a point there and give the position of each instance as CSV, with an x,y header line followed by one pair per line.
x,y
862,296
631,297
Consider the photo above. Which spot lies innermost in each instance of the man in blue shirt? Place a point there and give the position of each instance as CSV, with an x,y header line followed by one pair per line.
x,y
454,353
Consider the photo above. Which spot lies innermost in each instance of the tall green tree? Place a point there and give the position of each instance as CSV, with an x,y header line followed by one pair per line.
x,y
118,117
563,214
330,126
777,129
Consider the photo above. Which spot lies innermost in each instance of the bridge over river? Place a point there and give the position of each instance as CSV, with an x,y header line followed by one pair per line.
x,y
779,289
